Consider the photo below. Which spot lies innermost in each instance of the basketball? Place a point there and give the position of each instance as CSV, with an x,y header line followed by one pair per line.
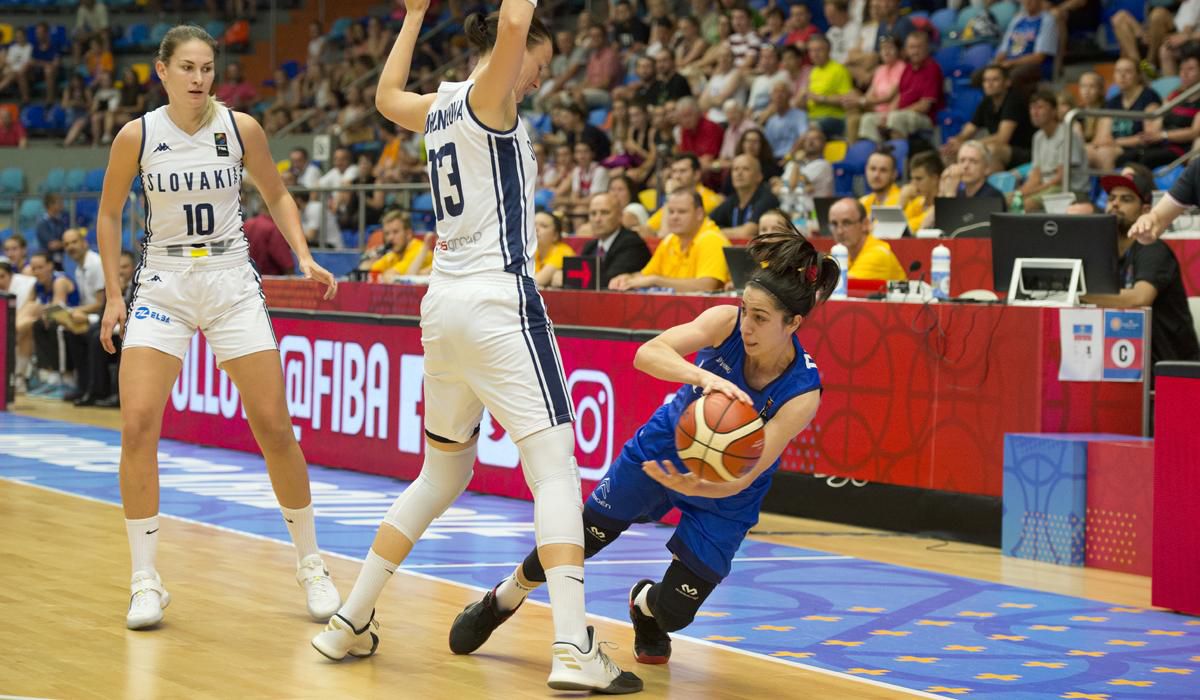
x,y
719,438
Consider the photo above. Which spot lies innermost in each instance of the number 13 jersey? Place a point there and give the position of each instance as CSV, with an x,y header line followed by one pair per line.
x,y
192,185
482,181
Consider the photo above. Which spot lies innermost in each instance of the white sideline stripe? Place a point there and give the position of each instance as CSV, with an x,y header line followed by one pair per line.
x,y
429,577
611,562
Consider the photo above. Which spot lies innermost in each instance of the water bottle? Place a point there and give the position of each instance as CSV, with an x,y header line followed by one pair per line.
x,y
842,255
1018,202
939,272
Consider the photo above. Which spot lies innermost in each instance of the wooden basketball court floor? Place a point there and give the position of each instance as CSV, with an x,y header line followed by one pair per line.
x,y
237,626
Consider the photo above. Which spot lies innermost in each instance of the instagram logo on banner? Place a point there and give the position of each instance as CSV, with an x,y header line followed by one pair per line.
x,y
592,394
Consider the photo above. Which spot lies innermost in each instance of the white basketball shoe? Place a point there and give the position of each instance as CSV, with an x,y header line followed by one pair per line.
x,y
323,597
147,600
340,638
573,669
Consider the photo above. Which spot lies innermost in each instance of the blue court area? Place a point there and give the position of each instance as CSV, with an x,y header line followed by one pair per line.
x,y
936,634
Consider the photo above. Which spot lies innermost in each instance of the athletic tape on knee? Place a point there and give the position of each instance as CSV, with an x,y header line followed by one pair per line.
x,y
548,460
444,476
675,600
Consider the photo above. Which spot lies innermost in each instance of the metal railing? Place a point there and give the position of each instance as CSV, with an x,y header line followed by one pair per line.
x,y
132,215
1080,112
406,190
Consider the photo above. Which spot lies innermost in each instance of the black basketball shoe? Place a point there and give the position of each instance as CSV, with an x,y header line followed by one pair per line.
x,y
476,623
650,644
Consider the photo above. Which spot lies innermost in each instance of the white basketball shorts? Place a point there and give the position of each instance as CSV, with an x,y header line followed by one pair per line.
x,y
223,299
488,343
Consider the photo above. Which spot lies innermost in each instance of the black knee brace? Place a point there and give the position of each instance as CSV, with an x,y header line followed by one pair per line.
x,y
595,538
448,441
675,600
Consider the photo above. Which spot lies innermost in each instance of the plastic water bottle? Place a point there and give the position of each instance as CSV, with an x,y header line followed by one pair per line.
x,y
1018,202
842,255
939,272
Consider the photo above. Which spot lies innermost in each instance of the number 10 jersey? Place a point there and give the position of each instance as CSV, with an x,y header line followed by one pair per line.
x,y
482,181
192,185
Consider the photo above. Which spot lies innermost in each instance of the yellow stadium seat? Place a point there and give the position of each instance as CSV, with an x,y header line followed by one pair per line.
x,y
143,72
835,151
6,33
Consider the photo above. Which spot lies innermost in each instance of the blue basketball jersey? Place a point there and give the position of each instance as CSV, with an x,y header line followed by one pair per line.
x,y
45,295
656,439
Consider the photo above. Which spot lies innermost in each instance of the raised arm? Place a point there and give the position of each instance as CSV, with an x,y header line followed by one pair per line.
x,y
492,96
392,99
123,166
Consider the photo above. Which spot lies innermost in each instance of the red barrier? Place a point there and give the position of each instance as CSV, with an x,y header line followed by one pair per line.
x,y
1176,571
1120,506
8,347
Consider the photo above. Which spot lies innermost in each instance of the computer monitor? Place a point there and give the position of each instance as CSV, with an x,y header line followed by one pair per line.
x,y
965,217
821,205
741,266
1091,238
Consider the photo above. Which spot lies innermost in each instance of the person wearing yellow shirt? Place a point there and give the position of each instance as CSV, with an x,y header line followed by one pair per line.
x,y
690,259
881,178
405,255
828,84
916,198
684,174
548,258
870,258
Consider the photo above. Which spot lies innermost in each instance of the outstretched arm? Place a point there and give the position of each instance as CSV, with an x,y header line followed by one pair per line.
x,y
392,99
492,96
665,356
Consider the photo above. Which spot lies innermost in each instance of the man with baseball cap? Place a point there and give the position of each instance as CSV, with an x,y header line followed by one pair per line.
x,y
1150,273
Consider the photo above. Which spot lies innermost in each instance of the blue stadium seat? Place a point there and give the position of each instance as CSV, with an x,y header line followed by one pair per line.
x,y
597,116
1163,181
135,37
94,180
340,26
54,182
899,148
964,100
1003,12
157,32
86,210
29,214
1004,181
215,28
853,164
60,38
970,60
57,119
75,178
950,123
1137,8
1166,85
944,20
33,118
12,182
947,58
291,68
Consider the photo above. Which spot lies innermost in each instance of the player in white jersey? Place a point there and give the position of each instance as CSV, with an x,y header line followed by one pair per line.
x,y
487,339
196,274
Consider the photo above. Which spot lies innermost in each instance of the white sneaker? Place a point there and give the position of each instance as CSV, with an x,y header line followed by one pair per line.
x,y
572,669
323,597
147,601
340,638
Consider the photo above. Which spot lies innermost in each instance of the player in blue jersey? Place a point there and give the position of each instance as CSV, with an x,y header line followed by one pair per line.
x,y
748,352
487,339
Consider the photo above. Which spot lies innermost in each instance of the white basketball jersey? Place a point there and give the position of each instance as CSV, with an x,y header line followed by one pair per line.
x,y
192,185
482,182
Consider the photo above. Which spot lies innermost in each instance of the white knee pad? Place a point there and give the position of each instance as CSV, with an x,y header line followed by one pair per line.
x,y
444,476
548,459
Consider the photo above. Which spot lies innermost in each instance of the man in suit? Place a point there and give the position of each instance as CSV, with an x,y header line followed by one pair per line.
x,y
620,250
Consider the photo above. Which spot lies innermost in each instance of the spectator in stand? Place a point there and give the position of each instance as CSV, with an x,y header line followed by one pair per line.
x,y
379,39
754,144
690,258
1166,139
696,134
105,99
1050,153
548,257
1113,135
863,54
767,74
131,104
51,227
684,175
829,84
306,172
95,368
697,73
21,287
842,32
559,169
288,95
743,40
672,85
235,91
632,213
1001,121
573,126
603,72
566,68
16,252
1029,45
662,32
354,123
12,134
406,255
355,41
1186,28
644,87
45,60
773,32
97,59
967,177
1091,96
17,58
708,18
738,214
317,44
799,25
268,248
91,23
73,318
870,258
791,59
587,178
920,95
727,81
75,102
662,147
884,92
916,198
892,23
881,180
621,251
739,123
782,123
689,46
628,30
630,131
1132,36
807,169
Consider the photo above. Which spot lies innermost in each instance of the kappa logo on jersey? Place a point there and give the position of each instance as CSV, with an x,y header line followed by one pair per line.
x,y
155,278
142,312
222,143
162,147
688,591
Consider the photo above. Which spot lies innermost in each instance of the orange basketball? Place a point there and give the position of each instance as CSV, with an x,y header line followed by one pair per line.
x,y
719,438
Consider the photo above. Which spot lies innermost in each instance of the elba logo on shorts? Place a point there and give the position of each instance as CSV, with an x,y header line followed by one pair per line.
x,y
142,312
688,591
222,143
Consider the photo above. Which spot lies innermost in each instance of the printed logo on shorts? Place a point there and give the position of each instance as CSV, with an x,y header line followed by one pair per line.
x,y
688,591
597,533
143,312
600,496
155,278
222,143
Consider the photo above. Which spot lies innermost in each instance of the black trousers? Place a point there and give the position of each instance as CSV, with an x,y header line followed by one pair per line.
x,y
47,347
93,366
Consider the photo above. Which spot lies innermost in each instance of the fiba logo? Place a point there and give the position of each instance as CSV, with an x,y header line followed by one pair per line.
x,y
591,392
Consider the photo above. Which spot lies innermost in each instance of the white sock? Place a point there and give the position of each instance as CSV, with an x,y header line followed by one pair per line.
x,y
642,600
566,606
511,592
143,542
375,574
304,532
